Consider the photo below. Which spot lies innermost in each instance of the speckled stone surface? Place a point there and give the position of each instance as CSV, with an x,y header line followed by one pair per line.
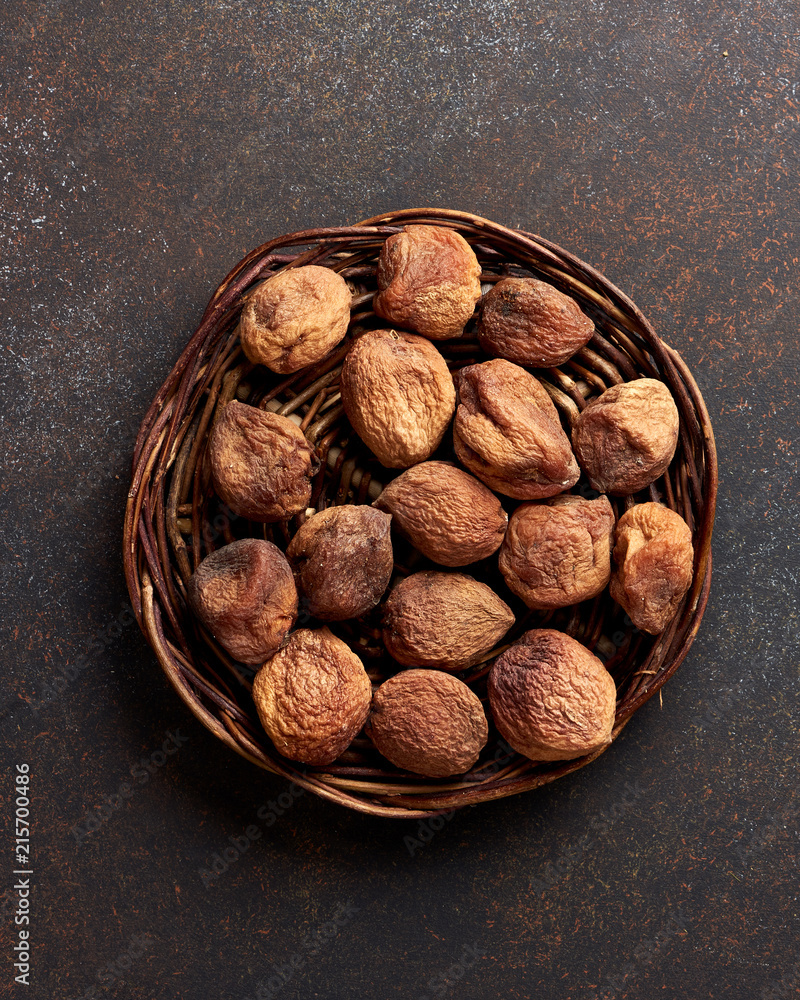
x,y
144,149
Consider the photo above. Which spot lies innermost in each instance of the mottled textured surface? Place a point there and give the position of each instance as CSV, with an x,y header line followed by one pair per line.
x,y
343,560
261,463
551,698
530,322
398,395
508,433
449,621
245,595
312,696
428,722
429,281
625,438
295,319
449,515
653,559
144,149
558,553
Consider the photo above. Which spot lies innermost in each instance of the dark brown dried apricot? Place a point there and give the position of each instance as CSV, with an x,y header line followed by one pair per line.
x,y
428,722
261,463
312,697
342,558
244,593
551,698
530,322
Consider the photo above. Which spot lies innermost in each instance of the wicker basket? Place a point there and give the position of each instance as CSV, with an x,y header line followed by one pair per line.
x,y
173,518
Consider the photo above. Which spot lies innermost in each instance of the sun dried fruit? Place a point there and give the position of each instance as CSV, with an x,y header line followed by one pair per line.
x,y
261,463
551,698
312,697
558,552
508,433
342,558
654,560
295,318
398,395
428,722
532,323
445,620
625,439
429,281
244,593
447,514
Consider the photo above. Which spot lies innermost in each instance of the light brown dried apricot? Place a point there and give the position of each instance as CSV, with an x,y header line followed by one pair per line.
x,y
342,558
445,620
654,560
261,463
429,281
551,698
312,697
244,593
428,722
625,439
295,318
450,516
558,552
530,322
398,394
507,432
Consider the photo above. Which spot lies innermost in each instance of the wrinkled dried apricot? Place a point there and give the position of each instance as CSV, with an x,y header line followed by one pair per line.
x,y
245,595
551,698
261,463
450,516
507,432
312,697
428,280
398,394
625,439
654,560
342,558
445,620
558,552
428,722
295,318
530,322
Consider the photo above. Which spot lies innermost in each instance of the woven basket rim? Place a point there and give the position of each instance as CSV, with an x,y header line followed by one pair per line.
x,y
166,439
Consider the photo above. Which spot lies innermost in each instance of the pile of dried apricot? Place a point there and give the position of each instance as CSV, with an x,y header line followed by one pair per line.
x,y
501,496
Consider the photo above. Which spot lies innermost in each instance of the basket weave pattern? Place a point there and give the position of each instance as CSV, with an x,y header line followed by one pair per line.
x,y
173,519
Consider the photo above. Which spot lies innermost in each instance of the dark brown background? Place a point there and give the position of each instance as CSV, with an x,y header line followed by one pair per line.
x,y
143,149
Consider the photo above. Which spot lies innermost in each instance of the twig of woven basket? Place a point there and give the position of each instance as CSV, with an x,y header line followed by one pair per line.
x,y
173,519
